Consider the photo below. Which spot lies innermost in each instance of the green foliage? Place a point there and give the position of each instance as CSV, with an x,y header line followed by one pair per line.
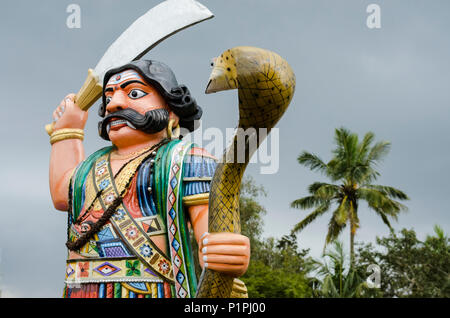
x,y
251,211
352,167
336,279
264,281
277,271
277,267
410,267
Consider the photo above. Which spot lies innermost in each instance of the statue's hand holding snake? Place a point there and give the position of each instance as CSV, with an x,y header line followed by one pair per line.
x,y
227,253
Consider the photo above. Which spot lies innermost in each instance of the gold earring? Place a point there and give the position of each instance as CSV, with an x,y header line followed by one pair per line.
x,y
170,133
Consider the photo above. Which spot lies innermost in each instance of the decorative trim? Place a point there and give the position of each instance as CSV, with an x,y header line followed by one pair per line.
x,y
140,291
119,280
182,287
152,225
108,271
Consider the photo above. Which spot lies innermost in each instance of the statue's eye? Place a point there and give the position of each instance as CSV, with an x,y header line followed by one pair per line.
x,y
108,99
136,93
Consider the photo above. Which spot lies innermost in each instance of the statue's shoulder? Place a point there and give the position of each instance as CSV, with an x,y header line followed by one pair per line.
x,y
98,154
196,151
196,161
199,163
199,168
83,167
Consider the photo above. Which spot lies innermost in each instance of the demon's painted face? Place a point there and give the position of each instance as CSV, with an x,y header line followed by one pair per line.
x,y
129,91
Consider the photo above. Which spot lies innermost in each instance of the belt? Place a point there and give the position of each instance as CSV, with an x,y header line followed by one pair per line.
x,y
109,270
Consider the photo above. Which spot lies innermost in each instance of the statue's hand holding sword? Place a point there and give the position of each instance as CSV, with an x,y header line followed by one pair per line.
x,y
68,115
159,23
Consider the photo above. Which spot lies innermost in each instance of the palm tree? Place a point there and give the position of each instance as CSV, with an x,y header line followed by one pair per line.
x,y
352,171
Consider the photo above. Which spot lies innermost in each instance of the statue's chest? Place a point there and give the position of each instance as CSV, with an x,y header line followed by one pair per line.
x,y
133,183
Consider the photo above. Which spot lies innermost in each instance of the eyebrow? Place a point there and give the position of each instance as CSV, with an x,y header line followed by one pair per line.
x,y
109,89
131,82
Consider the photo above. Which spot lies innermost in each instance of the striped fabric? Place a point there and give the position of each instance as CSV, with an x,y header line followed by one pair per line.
x,y
116,290
198,166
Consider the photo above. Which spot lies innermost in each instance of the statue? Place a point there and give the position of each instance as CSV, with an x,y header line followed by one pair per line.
x,y
132,206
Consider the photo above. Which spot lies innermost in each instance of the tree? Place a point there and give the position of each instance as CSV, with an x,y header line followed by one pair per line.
x,y
352,168
410,267
277,272
336,279
251,211
277,267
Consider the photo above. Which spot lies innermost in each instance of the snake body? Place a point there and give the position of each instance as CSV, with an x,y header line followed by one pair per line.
x,y
266,85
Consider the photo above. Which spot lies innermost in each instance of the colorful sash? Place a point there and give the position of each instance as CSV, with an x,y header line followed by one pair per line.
x,y
169,185
130,231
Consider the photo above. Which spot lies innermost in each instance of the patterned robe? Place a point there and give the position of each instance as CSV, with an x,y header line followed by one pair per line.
x,y
121,261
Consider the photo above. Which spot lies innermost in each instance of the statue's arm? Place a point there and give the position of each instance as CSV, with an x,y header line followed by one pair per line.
x,y
64,158
65,154
198,215
228,253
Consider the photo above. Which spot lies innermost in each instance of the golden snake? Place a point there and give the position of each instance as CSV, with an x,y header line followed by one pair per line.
x,y
266,85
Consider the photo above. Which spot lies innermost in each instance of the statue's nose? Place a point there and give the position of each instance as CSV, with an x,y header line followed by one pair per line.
x,y
118,102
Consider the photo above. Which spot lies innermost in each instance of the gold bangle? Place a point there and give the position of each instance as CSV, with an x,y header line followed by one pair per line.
x,y
66,133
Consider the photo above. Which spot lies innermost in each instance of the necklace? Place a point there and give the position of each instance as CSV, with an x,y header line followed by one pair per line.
x,y
153,148
116,156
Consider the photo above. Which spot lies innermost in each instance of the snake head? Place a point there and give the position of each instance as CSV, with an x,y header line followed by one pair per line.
x,y
265,81
224,73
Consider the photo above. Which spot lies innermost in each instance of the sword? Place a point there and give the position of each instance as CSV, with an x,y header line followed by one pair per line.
x,y
159,23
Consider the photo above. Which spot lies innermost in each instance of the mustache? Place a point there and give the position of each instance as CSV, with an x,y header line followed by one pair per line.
x,y
152,122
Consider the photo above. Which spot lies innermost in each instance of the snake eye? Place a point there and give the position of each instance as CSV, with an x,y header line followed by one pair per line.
x,y
137,93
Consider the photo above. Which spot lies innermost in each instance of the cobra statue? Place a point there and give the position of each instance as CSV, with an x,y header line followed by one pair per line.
x,y
266,85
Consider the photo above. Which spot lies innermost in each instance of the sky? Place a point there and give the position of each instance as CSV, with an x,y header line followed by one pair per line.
x,y
393,81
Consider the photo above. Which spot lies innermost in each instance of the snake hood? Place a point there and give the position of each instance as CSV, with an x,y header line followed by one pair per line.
x,y
265,81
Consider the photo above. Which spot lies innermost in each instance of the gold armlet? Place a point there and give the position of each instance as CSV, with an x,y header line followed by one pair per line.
x,y
196,199
66,133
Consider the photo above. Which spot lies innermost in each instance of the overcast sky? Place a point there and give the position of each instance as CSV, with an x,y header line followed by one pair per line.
x,y
393,81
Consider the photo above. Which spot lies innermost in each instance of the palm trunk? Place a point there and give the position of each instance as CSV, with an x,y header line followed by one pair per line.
x,y
352,242
352,234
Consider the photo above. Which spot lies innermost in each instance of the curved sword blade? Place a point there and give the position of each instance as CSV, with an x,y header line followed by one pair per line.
x,y
149,30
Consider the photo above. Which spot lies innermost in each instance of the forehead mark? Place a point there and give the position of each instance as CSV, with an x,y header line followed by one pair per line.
x,y
127,75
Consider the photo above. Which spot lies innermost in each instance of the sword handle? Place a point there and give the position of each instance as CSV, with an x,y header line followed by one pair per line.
x,y
89,93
